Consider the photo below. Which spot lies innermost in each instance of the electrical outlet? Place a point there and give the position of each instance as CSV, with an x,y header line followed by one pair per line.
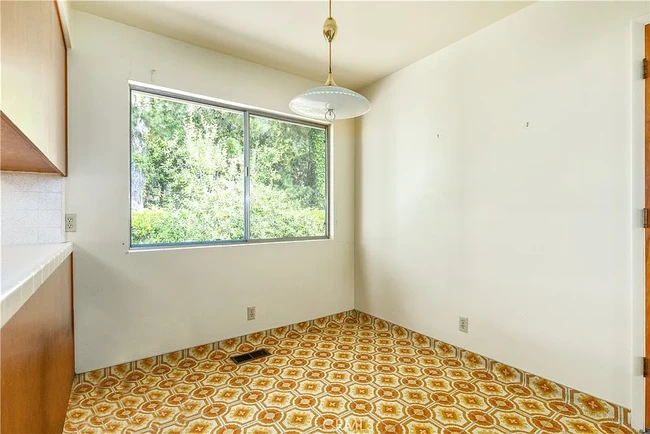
x,y
463,324
71,222
251,313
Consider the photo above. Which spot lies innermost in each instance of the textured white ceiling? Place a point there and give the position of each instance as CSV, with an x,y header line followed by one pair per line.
x,y
375,38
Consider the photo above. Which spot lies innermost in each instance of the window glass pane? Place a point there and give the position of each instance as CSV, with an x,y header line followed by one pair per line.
x,y
187,162
288,177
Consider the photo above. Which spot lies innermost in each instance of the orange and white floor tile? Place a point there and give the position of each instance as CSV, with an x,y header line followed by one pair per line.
x,y
349,373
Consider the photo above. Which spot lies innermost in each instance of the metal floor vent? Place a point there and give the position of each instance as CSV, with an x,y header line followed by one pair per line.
x,y
247,357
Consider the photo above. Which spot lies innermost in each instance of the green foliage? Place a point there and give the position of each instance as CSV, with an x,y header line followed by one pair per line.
x,y
187,175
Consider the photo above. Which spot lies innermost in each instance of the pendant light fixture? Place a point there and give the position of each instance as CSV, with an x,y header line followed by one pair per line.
x,y
330,102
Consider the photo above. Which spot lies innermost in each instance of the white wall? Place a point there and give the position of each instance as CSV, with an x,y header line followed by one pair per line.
x,y
519,214
31,208
133,305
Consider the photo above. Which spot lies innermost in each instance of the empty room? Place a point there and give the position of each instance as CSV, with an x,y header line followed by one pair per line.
x,y
324,216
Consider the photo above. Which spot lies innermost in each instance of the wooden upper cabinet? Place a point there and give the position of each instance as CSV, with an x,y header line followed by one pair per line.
x,y
33,96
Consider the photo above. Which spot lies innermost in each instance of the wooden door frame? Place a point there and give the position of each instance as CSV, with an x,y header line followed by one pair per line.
x,y
647,231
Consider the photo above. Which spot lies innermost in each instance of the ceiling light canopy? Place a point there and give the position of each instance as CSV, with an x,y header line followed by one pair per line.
x,y
330,102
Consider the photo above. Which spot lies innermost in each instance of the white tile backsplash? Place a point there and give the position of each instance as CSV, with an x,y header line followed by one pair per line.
x,y
49,201
19,218
39,182
50,235
17,199
19,236
50,218
31,208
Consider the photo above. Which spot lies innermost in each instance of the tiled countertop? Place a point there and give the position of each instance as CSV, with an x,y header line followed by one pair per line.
x,y
23,269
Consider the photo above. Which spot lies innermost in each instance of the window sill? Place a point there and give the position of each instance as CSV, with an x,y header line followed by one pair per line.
x,y
220,244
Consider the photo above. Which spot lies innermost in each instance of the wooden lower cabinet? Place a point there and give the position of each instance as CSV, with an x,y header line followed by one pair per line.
x,y
37,359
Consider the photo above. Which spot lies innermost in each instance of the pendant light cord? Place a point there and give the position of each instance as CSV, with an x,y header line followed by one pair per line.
x,y
329,32
329,45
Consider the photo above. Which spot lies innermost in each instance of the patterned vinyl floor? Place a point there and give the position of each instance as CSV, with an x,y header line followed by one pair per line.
x,y
349,373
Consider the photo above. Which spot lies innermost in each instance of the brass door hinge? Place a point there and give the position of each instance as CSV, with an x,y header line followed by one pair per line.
x,y
645,366
645,68
644,217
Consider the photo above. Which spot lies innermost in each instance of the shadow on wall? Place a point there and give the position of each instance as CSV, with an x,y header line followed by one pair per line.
x,y
98,317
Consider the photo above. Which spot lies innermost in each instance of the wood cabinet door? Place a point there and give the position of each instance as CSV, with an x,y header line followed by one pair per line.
x,y
33,89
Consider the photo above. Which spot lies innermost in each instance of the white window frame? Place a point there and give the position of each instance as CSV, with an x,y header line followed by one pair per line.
x,y
247,112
